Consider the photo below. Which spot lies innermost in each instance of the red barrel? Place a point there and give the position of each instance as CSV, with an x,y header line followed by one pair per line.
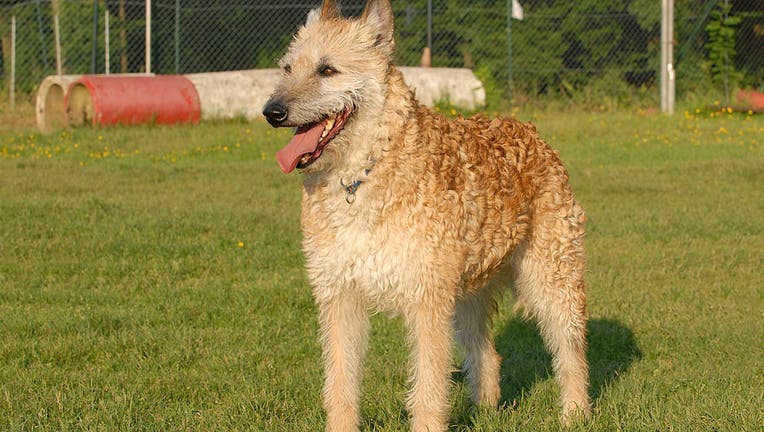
x,y
129,100
751,100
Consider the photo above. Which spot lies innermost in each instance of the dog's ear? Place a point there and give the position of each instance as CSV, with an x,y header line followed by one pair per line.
x,y
330,10
313,16
379,15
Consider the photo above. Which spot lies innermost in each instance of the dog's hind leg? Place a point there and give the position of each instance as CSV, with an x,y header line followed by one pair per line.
x,y
431,336
473,330
344,336
550,285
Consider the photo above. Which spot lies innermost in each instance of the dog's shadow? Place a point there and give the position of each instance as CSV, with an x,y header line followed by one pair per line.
x,y
612,350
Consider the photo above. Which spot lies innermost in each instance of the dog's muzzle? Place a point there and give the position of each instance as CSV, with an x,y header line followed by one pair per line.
x,y
276,113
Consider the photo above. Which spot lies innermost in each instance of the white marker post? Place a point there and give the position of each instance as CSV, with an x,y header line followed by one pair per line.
x,y
57,36
668,76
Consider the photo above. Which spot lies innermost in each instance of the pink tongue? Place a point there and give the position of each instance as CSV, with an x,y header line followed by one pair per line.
x,y
304,141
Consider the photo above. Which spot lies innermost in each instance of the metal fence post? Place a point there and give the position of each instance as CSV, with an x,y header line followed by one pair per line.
x,y
509,49
106,43
667,56
177,36
94,51
671,71
429,25
43,51
148,36
726,66
12,89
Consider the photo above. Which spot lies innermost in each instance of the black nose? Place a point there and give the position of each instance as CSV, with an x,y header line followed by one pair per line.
x,y
275,112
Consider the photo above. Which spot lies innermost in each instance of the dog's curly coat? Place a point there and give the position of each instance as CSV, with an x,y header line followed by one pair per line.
x,y
410,212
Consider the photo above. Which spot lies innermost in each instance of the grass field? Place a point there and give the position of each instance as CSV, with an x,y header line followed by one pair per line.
x,y
151,279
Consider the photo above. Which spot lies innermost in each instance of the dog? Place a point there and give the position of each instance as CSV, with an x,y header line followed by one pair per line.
x,y
406,211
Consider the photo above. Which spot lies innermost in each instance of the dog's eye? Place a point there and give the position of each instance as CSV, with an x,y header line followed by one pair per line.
x,y
287,69
326,71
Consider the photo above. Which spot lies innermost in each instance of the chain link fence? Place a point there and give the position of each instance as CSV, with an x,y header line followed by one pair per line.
x,y
593,50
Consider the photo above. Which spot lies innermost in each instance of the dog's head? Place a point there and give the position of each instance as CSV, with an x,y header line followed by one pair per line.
x,y
333,73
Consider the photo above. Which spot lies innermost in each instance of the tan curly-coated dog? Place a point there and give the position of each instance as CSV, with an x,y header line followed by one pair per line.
x,y
409,212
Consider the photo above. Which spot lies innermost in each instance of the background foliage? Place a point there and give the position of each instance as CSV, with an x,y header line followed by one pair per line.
x,y
603,50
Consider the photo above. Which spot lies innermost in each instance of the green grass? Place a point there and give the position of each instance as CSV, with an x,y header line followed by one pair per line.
x,y
151,279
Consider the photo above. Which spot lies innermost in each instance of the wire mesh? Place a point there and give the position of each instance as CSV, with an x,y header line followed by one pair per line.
x,y
558,48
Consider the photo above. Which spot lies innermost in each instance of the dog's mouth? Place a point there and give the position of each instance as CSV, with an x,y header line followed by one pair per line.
x,y
309,141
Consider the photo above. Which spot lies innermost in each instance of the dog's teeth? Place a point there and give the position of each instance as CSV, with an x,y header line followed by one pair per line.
x,y
329,125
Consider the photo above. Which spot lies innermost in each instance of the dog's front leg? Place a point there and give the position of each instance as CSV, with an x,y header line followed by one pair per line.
x,y
344,336
431,334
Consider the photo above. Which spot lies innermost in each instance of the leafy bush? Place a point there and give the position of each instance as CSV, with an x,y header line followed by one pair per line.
x,y
721,44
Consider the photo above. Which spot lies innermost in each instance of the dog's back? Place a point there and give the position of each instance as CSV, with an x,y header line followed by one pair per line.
x,y
463,189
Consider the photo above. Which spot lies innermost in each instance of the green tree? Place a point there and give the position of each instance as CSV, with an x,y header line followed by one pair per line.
x,y
721,44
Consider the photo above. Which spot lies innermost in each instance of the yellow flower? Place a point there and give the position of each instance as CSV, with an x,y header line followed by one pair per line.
x,y
240,244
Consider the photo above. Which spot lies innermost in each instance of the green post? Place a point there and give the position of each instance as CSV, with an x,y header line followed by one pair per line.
x,y
177,36
94,52
43,49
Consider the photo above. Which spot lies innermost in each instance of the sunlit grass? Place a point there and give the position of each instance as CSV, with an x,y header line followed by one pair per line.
x,y
87,146
151,279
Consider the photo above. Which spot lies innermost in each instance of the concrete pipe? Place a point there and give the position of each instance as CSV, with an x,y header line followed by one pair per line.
x,y
132,99
109,100
460,87
50,111
228,95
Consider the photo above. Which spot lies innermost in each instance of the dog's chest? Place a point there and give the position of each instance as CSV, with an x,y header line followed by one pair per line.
x,y
350,248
